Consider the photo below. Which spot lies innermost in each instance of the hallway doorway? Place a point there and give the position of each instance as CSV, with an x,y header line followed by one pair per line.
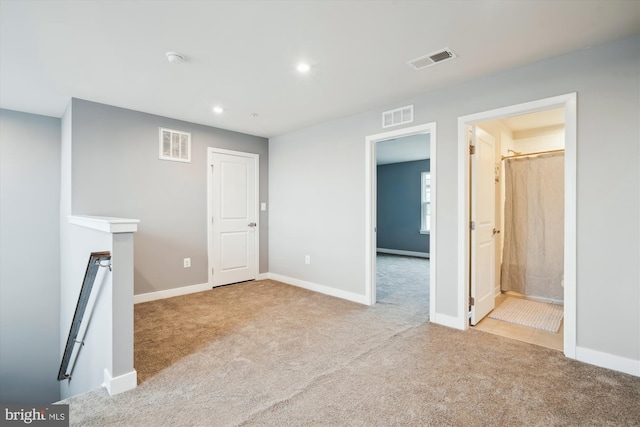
x,y
380,143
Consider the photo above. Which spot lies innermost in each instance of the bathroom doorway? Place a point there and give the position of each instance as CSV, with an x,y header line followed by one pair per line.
x,y
528,227
468,267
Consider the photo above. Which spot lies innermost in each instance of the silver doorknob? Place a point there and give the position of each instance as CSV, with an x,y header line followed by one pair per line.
x,y
252,224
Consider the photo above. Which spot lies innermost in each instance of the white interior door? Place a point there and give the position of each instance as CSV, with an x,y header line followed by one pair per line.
x,y
483,228
233,235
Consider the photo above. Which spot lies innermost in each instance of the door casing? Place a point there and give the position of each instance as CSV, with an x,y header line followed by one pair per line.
x,y
370,208
569,103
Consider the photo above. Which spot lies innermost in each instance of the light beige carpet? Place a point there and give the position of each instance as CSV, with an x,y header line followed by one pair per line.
x,y
268,354
533,314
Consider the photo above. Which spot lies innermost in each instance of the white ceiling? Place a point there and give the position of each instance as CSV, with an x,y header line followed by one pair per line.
x,y
242,54
404,149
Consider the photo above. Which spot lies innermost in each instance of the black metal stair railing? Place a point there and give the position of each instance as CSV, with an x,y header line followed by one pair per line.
x,y
96,260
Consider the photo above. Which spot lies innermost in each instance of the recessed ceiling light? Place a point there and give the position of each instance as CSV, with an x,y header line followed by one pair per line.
x,y
174,58
303,67
218,110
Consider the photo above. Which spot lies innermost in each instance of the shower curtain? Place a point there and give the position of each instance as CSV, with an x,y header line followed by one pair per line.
x,y
533,251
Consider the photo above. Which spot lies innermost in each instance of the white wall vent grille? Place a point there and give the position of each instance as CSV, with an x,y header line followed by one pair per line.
x,y
398,116
432,59
175,145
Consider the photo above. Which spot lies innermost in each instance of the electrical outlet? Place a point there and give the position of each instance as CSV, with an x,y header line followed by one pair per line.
x,y
187,262
307,259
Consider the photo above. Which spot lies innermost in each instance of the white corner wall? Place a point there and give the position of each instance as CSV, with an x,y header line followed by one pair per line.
x,y
318,203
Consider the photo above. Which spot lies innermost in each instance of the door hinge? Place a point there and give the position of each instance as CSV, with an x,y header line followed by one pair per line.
x,y
212,271
472,302
472,225
472,149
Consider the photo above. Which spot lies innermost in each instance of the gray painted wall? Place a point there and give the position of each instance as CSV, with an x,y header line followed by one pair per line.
x,y
317,187
116,172
399,206
29,257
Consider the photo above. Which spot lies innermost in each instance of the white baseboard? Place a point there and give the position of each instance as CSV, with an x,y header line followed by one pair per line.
x,y
327,290
121,383
168,293
448,321
184,290
406,253
609,361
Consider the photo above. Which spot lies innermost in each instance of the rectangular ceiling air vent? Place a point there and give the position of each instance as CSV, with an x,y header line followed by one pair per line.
x,y
397,116
432,59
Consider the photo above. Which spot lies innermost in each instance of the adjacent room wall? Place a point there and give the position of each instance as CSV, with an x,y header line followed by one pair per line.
x,y
318,201
29,258
116,172
399,203
536,140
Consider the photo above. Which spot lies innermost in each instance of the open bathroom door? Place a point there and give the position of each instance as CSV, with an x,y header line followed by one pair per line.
x,y
482,227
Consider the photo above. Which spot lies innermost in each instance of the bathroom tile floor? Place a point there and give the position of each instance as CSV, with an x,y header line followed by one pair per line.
x,y
522,333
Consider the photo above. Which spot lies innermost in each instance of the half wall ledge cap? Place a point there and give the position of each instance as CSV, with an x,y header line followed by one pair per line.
x,y
108,224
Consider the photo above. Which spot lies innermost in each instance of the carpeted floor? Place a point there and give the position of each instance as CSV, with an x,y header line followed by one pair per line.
x,y
268,354
403,281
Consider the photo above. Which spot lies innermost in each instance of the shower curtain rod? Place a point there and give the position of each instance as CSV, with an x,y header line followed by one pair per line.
x,y
533,154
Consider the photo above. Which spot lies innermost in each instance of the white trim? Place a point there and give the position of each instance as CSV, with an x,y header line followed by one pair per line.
x,y
448,321
370,207
170,293
405,253
370,241
183,290
568,102
432,228
327,290
121,383
256,158
570,227
107,224
609,361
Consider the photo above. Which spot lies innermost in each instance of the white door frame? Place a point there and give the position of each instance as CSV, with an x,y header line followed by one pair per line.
x,y
568,102
370,207
256,158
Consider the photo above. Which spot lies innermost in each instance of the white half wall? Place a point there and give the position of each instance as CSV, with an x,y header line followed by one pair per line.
x,y
106,356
